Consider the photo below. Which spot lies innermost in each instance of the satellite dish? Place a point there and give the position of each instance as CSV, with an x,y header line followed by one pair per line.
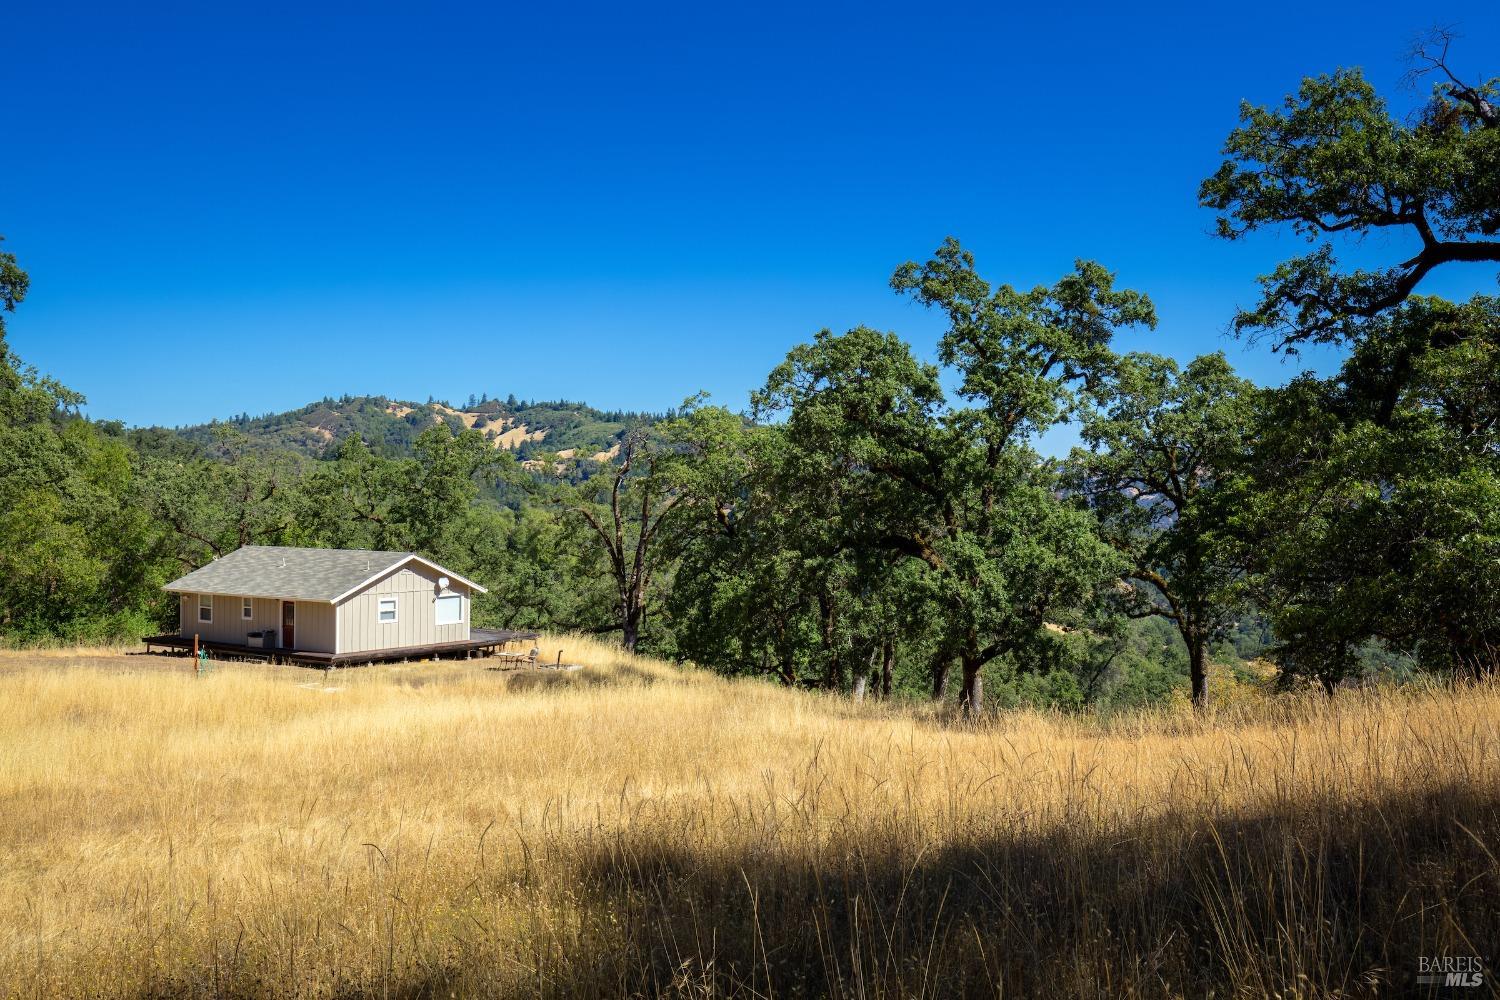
x,y
443,582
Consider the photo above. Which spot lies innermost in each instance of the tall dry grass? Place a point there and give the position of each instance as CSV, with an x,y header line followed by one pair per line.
x,y
631,829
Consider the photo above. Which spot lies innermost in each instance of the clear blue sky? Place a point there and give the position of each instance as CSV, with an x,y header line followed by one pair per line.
x,y
230,208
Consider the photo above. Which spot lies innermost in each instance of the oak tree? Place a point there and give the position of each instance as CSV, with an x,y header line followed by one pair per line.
x,y
1164,446
957,488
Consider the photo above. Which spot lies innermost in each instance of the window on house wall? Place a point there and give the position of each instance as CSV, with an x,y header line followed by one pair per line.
x,y
205,608
449,610
247,610
388,609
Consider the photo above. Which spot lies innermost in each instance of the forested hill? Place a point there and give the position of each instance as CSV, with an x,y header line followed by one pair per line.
x,y
390,427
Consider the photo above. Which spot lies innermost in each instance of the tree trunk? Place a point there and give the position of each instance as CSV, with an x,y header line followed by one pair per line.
x,y
940,668
786,670
632,630
833,672
860,684
971,695
861,680
887,666
1196,670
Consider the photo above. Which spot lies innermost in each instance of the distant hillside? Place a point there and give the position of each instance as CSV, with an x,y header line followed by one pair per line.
x,y
391,426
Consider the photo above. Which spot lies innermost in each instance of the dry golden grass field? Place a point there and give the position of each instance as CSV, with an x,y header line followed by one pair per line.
x,y
632,829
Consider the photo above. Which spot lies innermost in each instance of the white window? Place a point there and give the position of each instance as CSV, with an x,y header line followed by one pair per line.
x,y
205,608
388,609
247,610
449,610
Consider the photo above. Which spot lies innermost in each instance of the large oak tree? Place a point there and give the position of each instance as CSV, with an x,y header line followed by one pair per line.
x,y
1372,511
956,487
1164,449
1334,161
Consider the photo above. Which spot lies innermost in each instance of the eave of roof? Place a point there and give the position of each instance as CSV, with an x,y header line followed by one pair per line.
x,y
235,593
441,570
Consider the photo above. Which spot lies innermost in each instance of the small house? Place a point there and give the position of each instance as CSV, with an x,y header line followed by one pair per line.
x,y
327,605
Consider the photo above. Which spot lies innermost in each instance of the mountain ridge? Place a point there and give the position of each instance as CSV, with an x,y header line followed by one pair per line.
x,y
391,426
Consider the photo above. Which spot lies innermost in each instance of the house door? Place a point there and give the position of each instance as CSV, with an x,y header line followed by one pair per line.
x,y
288,624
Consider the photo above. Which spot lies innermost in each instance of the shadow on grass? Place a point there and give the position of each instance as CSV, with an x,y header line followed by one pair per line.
x,y
1317,900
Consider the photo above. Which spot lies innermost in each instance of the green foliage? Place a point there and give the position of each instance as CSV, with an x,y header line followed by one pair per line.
x,y
634,509
1334,160
568,425
956,489
536,567
76,548
1374,503
13,285
1163,446
1021,355
1368,513
224,497
1112,664
768,581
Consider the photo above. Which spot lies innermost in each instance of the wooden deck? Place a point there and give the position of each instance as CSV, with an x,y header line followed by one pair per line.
x,y
481,642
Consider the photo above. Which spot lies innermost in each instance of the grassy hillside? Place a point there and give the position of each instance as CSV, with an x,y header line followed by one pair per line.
x,y
390,426
630,829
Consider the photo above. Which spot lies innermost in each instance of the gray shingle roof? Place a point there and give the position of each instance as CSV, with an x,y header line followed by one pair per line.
x,y
300,574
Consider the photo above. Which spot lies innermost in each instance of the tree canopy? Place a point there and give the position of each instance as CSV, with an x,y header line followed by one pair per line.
x,y
1164,446
1332,160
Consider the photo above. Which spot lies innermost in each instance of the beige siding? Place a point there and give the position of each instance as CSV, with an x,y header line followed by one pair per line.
x,y
316,625
228,625
415,590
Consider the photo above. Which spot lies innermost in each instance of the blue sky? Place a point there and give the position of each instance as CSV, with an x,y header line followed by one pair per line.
x,y
243,208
